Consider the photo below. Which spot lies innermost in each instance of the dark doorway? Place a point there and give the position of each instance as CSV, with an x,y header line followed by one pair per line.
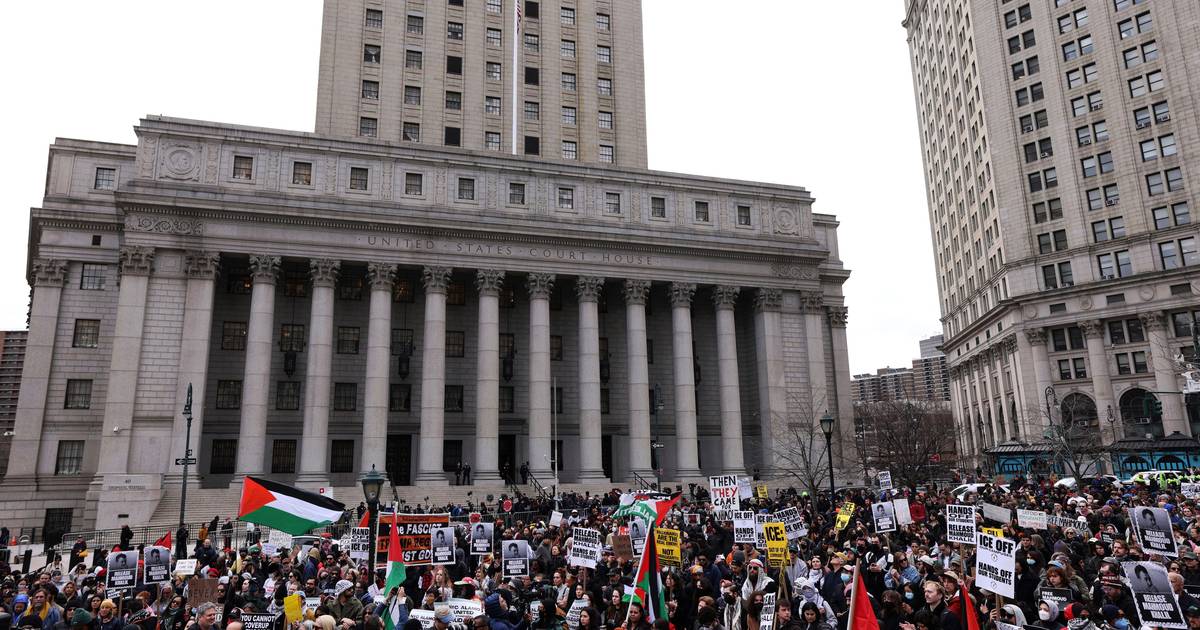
x,y
399,459
508,457
606,455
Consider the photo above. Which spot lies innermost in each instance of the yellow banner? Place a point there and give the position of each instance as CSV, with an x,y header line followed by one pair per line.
x,y
844,514
761,491
667,542
776,544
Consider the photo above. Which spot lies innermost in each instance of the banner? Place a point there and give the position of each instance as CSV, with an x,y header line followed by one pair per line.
x,y
122,570
903,513
776,544
585,548
885,480
845,513
157,565
960,524
790,517
722,491
415,534
743,527
996,513
885,517
1156,603
996,565
360,539
441,542
666,541
481,539
516,558
1031,519
1153,528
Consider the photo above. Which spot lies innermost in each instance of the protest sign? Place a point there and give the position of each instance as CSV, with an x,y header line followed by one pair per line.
x,y
1065,522
415,535
666,541
744,489
1031,519
996,513
1190,490
585,548
622,547
845,513
760,539
885,517
360,539
743,527
281,540
766,618
258,621
885,480
425,617
516,558
761,491
185,567
637,534
722,492
996,565
122,570
464,610
1000,625
556,519
481,539
790,517
293,608
157,565
993,531
960,524
1060,596
201,590
776,538
311,604
1153,528
442,544
901,510
574,611
1156,602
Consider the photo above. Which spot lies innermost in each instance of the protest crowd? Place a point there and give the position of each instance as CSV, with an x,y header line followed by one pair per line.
x,y
1032,555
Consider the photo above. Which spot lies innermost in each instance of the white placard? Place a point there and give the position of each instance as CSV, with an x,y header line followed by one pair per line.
x,y
723,493
185,567
585,547
1153,528
743,527
995,565
442,542
996,513
1032,519
766,619
157,564
360,540
281,540
745,490
1156,602
792,525
960,524
1190,490
902,512
885,480
555,518
760,539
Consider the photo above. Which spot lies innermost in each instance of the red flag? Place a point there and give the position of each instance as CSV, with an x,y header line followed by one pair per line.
x,y
164,541
968,608
862,614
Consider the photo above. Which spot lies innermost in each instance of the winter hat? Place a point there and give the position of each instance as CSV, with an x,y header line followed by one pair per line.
x,y
1081,623
443,615
1110,612
81,618
342,586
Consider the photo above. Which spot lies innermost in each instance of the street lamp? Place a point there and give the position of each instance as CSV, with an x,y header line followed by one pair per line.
x,y
372,484
827,429
1051,401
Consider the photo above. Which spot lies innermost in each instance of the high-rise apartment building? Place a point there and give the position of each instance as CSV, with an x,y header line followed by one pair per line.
x,y
885,384
12,358
443,73
1058,143
931,346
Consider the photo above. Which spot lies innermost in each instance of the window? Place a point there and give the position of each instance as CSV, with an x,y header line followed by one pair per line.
x,y
415,25
604,54
1167,145
413,60
612,203
223,457
495,38
291,338
658,207
743,215
466,189
400,397
606,120
701,211
532,10
568,116
1124,4
414,183
533,76
491,140
566,16
233,335
454,399
368,127
1058,275
345,396
454,30
243,167
302,173
347,339
79,394
452,137
566,49
494,6
566,198
1111,229
229,394
568,82
92,277
341,456
1181,322
455,343
1115,265
374,18
1047,211
1175,254
70,457
607,153
603,22
493,71
402,341
533,145
516,193
556,348
287,395
454,101
604,86
649,342
507,399
372,53
283,457
1141,23
87,333
359,178
533,110
1070,338
531,42
412,95
604,404
1052,241
456,293
402,291
453,64
1176,214
106,179
570,150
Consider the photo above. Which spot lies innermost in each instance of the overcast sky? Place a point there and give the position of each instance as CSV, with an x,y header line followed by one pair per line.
x,y
767,90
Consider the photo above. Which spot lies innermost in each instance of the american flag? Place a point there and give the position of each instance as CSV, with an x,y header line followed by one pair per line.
x,y
519,14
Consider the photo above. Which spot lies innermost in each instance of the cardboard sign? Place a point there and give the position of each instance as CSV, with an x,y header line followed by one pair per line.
x,y
960,524
845,513
996,565
281,540
441,544
157,565
516,558
293,608
481,538
360,539
902,511
776,544
1153,528
185,567
622,547
790,517
743,527
258,621
996,513
666,541
414,533
885,517
1156,602
202,590
885,480
585,548
122,570
1031,519
723,493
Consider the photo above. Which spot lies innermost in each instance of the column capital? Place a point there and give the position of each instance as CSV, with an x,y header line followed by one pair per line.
x,y
48,272
635,291
264,269
1091,328
725,296
539,285
681,294
1153,320
588,288
1036,336
838,316
768,300
136,260
201,264
436,279
812,302
1010,344
381,276
489,281
324,271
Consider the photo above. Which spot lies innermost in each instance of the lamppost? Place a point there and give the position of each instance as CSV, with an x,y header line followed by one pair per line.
x,y
827,429
372,484
654,443
1051,401
187,456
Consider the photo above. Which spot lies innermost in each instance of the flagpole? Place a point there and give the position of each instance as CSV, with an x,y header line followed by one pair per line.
x,y
853,595
512,108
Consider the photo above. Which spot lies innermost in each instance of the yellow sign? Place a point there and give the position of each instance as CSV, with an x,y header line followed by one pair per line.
x,y
844,514
291,608
667,543
992,531
761,491
776,544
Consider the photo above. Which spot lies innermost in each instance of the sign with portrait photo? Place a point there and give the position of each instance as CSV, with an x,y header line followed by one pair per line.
x,y
1156,602
122,570
884,514
1152,525
157,565
516,558
481,538
441,542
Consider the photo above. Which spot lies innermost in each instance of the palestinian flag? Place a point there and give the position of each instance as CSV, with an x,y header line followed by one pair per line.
x,y
647,508
286,508
648,588
396,574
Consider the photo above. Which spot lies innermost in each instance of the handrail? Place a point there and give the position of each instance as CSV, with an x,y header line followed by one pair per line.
x,y
537,485
646,485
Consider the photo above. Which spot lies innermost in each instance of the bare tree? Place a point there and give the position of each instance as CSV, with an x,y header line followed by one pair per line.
x,y
799,447
1071,434
906,437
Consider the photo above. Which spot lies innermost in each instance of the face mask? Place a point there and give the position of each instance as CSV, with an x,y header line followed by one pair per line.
x,y
845,577
1121,624
1044,615
908,596
1030,561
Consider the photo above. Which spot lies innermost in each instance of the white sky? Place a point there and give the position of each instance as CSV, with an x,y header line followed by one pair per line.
x,y
766,90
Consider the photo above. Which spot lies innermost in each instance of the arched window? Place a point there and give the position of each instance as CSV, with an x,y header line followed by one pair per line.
x,y
1133,414
1078,409
1135,463
1170,462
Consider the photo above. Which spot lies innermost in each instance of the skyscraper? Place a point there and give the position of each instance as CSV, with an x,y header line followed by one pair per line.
x,y
1060,183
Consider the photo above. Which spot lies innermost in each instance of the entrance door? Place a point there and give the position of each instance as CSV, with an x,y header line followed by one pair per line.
x,y
399,459
508,457
606,455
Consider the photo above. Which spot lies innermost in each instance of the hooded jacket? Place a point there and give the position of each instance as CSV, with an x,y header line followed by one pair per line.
x,y
498,618
808,593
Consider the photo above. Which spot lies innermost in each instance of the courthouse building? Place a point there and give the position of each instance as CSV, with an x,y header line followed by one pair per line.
x,y
403,290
